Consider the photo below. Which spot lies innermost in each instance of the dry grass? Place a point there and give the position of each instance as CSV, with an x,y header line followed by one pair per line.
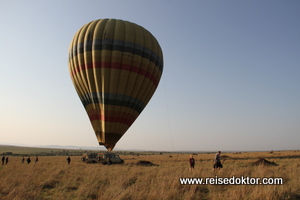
x,y
53,178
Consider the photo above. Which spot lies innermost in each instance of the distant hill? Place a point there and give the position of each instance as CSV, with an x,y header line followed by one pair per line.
x,y
51,150
75,150
47,150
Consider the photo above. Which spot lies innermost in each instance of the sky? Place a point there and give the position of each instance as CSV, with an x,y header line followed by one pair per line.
x,y
231,78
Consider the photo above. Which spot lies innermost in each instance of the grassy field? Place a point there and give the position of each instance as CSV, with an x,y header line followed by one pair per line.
x,y
53,178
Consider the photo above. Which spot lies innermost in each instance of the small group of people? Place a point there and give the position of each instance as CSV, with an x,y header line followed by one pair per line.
x,y
4,160
29,160
217,162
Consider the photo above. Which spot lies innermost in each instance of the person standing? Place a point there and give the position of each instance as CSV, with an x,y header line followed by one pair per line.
x,y
192,163
28,160
68,159
36,159
217,161
108,161
22,161
3,159
6,160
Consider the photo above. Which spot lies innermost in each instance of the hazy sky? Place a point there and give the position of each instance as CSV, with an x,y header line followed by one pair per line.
x,y
231,78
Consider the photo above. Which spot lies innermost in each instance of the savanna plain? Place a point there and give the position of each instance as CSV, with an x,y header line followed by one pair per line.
x,y
52,178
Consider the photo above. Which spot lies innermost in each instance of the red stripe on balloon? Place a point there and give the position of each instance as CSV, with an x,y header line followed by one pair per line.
x,y
112,65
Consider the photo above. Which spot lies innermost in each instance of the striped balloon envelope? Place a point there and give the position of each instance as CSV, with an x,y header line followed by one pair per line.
x,y
115,67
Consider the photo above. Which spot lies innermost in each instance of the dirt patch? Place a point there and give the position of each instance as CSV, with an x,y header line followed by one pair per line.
x,y
50,184
264,162
145,163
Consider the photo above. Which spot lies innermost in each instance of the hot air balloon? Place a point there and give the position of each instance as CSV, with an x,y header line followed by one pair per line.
x,y
115,67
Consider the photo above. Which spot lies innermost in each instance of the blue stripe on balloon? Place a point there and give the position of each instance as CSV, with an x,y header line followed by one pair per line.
x,y
116,45
112,99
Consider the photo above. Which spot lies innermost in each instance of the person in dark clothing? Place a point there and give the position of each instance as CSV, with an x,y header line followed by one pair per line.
x,y
69,159
3,159
192,163
6,160
28,160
